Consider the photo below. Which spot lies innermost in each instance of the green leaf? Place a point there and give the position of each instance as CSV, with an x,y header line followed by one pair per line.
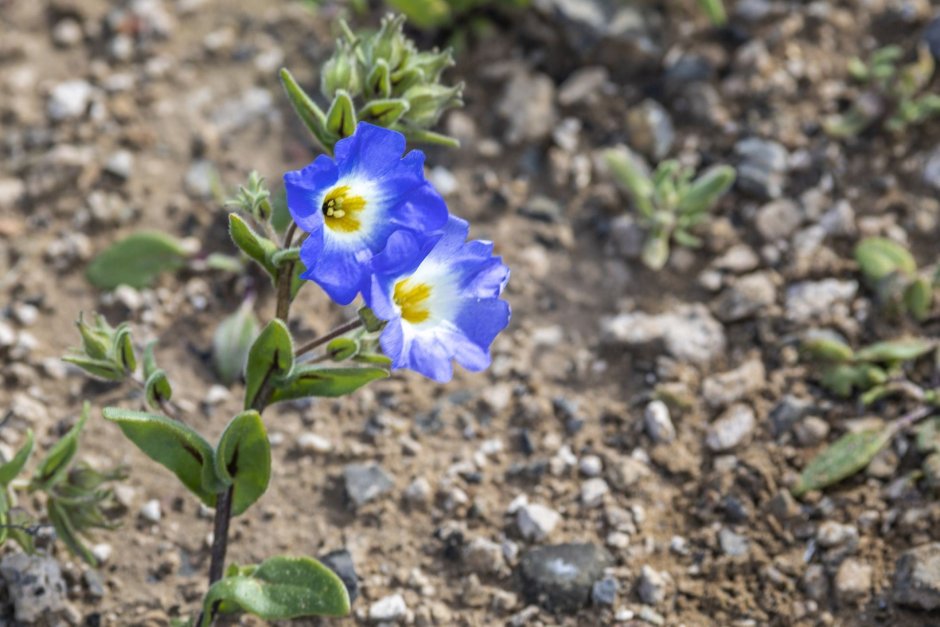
x,y
342,348
12,468
270,360
341,117
424,136
57,460
19,532
655,251
630,172
715,10
841,379
379,81
825,346
243,459
150,361
102,368
122,349
157,389
308,381
384,112
845,457
137,260
895,351
173,445
65,531
258,248
307,110
707,189
281,588
232,341
918,298
878,257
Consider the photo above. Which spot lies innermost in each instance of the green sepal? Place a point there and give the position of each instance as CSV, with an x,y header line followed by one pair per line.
x,y
379,81
157,389
243,460
308,111
384,112
269,361
101,368
425,136
149,361
65,531
11,469
258,248
95,341
280,588
296,282
232,340
374,359
371,322
841,379
137,260
57,460
310,381
122,349
173,445
285,255
341,117
342,348
825,346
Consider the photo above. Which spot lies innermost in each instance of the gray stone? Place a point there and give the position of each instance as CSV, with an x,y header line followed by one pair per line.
x,y
738,258
731,429
365,482
69,100
593,492
831,534
658,422
733,544
235,114
388,609
787,412
932,169
604,592
11,191
625,472
200,179
762,167
689,332
810,300
536,522
815,582
746,297
583,84
483,556
811,431
852,581
151,511
528,106
120,164
34,585
340,562
720,390
650,129
778,220
652,586
561,577
917,577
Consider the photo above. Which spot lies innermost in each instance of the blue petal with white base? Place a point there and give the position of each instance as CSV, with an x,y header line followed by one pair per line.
x,y
440,307
350,205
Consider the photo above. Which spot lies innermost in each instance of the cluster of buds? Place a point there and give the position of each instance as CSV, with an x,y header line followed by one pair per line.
x,y
106,352
383,79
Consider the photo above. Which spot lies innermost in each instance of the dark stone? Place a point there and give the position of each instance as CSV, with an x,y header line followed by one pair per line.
x,y
917,578
787,412
604,592
365,482
561,577
932,37
341,563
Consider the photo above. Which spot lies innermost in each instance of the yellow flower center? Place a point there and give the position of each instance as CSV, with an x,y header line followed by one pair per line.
x,y
340,209
411,298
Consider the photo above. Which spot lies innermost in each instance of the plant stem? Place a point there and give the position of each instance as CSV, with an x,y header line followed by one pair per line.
x,y
223,515
343,329
285,275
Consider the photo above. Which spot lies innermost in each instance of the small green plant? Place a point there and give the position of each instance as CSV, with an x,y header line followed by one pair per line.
x,y
893,92
876,372
432,14
715,10
891,272
77,498
671,202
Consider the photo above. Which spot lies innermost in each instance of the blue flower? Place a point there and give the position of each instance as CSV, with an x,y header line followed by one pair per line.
x,y
441,301
351,204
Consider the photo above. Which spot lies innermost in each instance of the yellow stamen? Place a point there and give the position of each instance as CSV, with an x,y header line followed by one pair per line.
x,y
412,298
340,210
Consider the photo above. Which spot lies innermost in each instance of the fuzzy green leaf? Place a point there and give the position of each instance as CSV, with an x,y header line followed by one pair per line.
x,y
243,459
269,361
895,351
341,117
281,588
57,460
918,298
137,260
878,257
101,368
705,191
310,381
65,531
384,112
258,248
157,389
231,342
342,348
845,457
826,347
308,111
173,445
12,468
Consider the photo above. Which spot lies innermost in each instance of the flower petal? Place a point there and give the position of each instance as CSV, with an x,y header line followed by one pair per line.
x,y
305,189
371,150
338,272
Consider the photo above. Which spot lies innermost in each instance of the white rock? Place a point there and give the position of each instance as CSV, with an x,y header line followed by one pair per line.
x,y
418,492
151,511
593,492
652,586
11,190
443,180
311,443
658,423
217,394
536,522
388,609
808,300
69,100
731,429
830,534
725,388
590,465
102,552
689,332
120,164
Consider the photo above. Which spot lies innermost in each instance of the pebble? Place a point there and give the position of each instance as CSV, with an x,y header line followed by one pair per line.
x,y
67,33
340,562
151,511
778,220
216,394
604,592
815,582
917,577
650,129
200,179
443,180
313,444
388,609
932,169
720,390
762,167
747,296
593,492
528,106
591,466
831,533
28,409
102,552
853,580
810,300
739,258
625,472
733,544
731,429
658,422
652,586
25,314
237,113
365,482
483,556
34,587
583,84
536,522
418,493
120,164
69,100
689,332
811,431
561,577
11,190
